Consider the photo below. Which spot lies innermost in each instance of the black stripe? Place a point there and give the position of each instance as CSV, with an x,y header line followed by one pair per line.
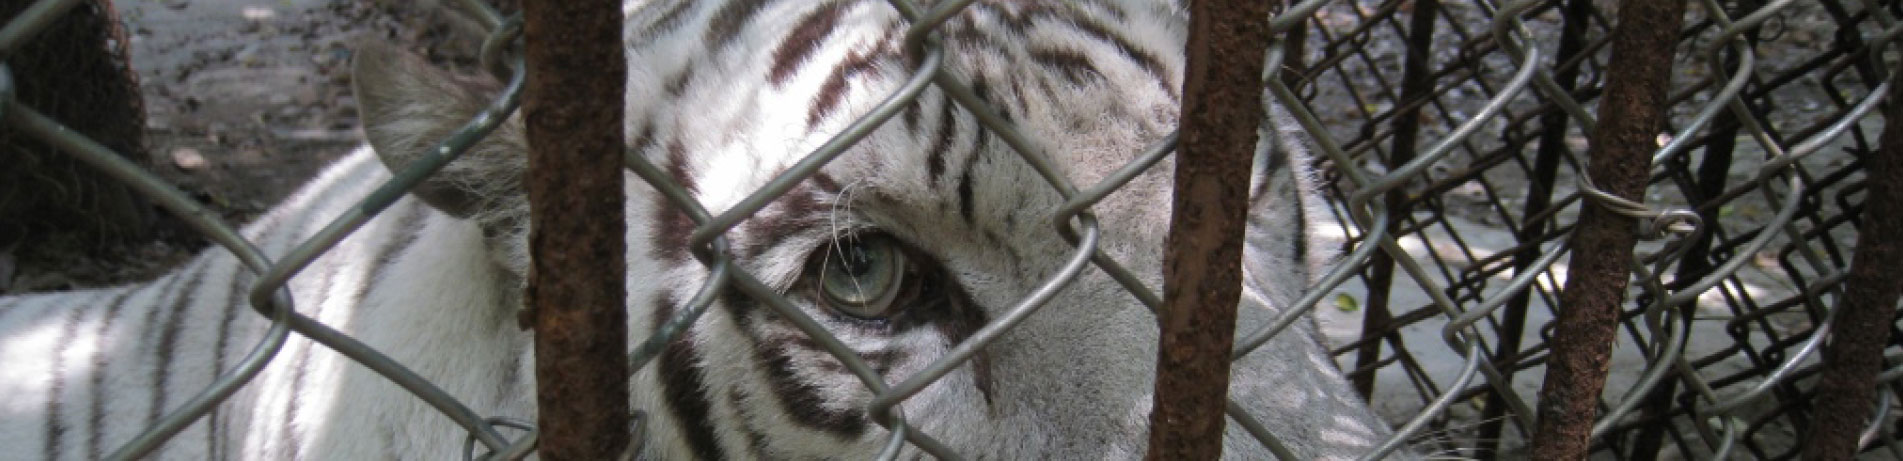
x,y
967,204
644,140
241,279
1301,225
409,225
942,142
1278,160
912,114
684,384
288,433
1018,93
880,361
677,166
793,213
806,37
151,319
677,84
727,23
669,242
756,439
55,428
834,89
1044,88
1014,20
1073,65
669,21
802,399
981,89
96,412
825,182
168,342
965,36
949,308
273,236
966,208
1143,59
672,227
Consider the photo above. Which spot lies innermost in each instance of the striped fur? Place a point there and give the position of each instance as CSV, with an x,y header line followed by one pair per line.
x,y
725,95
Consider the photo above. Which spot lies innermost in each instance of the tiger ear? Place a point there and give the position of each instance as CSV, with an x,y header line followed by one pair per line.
x,y
407,106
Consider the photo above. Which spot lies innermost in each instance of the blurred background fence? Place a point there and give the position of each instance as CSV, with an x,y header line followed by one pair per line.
x,y
1771,112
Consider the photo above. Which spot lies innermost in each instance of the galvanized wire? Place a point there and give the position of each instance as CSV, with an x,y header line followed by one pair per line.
x,y
1663,308
1488,94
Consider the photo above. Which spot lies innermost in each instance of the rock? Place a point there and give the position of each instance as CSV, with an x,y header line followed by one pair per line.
x,y
186,158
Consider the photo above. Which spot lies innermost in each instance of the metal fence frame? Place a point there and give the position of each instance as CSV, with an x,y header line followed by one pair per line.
x,y
1377,189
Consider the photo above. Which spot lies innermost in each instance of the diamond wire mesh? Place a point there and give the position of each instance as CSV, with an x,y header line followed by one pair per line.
x,y
1476,222
1758,169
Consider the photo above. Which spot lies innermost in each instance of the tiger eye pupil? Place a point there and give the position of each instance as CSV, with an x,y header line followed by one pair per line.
x,y
856,262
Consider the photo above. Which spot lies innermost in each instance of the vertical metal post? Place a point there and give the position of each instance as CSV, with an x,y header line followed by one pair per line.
x,y
573,105
1708,186
1417,85
1854,354
1202,257
1631,115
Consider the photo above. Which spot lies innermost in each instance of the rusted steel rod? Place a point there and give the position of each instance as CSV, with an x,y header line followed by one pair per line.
x,y
572,104
1631,116
1854,354
1222,94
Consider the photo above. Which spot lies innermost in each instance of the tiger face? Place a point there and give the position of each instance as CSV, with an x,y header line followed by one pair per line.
x,y
912,241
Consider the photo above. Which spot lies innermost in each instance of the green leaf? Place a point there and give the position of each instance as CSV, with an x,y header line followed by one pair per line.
x,y
1346,302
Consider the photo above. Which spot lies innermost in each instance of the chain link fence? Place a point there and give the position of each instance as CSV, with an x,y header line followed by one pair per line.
x,y
1747,223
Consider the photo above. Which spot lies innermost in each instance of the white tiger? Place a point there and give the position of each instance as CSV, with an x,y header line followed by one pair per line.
x,y
902,247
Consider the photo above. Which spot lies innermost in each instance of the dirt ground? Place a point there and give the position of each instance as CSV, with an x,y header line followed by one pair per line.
x,y
245,100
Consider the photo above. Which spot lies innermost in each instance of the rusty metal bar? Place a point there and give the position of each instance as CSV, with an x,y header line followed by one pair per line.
x,y
1202,257
573,108
1854,355
1631,115
1706,185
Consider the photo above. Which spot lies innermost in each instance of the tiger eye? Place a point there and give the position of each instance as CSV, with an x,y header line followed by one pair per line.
x,y
861,276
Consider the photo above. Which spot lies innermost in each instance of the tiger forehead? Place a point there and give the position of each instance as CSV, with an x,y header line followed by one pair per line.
x,y
1093,96
774,39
